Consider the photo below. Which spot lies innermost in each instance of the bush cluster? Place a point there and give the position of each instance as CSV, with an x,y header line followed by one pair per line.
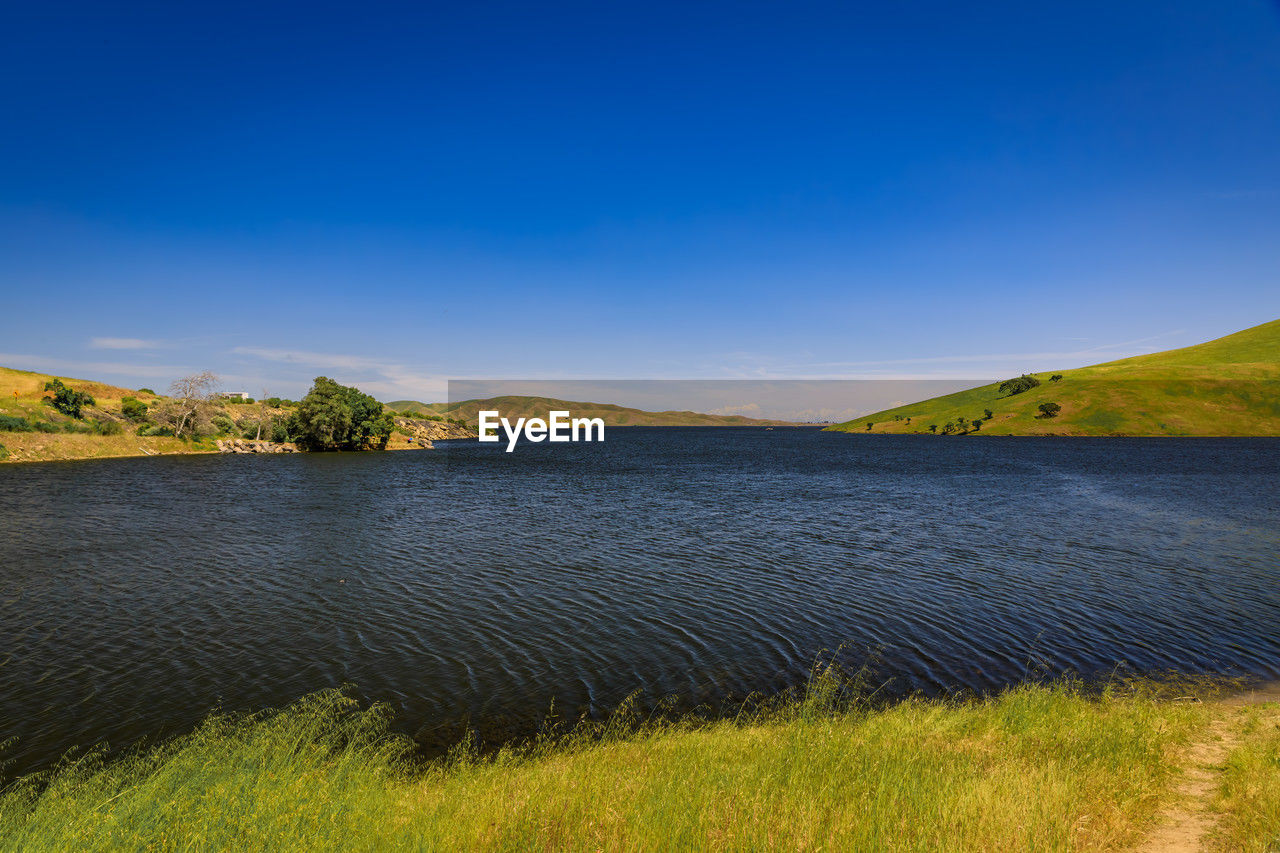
x,y
9,423
1025,382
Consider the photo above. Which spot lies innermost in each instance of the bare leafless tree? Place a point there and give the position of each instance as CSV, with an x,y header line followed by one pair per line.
x,y
194,397
262,412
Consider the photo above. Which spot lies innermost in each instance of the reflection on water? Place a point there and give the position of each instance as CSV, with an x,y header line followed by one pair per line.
x,y
468,584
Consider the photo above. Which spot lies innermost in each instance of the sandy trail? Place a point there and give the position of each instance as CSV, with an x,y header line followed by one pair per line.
x,y
1185,824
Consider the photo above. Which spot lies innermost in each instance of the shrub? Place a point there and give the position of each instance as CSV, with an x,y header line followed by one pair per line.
x,y
1057,377
46,426
78,428
1025,382
280,430
147,391
273,402
133,409
106,426
1049,410
67,400
155,430
222,424
986,413
8,423
4,453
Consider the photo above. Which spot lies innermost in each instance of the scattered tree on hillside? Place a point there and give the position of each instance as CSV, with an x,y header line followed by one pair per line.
x,y
67,400
987,415
147,391
948,428
962,420
977,425
1057,377
1025,382
933,428
337,417
869,426
1049,410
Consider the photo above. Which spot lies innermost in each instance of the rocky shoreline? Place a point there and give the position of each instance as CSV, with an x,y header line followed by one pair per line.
x,y
249,445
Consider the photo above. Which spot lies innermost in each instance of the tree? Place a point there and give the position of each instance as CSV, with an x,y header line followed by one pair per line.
x,y
193,406
933,428
67,400
1049,410
962,420
1025,382
869,426
1057,377
338,417
262,412
986,414
948,428
977,425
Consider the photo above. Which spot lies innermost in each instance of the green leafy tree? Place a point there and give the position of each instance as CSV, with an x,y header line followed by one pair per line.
x,y
338,417
986,413
67,400
869,426
933,428
1049,410
1057,377
977,425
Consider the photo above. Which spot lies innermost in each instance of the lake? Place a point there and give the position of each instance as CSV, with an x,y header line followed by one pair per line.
x,y
472,587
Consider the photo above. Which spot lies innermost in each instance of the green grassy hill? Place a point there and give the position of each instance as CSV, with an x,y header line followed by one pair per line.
x,y
1225,387
513,407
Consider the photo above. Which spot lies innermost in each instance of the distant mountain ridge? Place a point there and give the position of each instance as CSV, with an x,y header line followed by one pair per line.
x,y
526,407
1229,386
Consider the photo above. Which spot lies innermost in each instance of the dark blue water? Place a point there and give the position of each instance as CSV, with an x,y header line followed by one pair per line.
x,y
469,586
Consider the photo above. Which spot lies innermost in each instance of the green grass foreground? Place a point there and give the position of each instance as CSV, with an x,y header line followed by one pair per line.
x,y
1034,768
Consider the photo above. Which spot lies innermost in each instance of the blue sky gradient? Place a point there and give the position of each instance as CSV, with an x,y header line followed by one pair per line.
x,y
395,195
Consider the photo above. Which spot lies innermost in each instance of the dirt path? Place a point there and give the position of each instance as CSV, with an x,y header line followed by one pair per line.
x,y
1184,825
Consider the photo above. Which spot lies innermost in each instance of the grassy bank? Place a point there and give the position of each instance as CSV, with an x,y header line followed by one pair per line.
x,y
1035,768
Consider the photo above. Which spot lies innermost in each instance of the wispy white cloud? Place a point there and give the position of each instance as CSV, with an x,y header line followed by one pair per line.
x,y
91,370
124,343
384,379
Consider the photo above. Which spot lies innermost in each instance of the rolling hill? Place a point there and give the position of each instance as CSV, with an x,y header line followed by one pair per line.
x,y
517,407
1224,387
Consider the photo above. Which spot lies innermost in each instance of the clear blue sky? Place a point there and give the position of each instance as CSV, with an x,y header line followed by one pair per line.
x,y
393,195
